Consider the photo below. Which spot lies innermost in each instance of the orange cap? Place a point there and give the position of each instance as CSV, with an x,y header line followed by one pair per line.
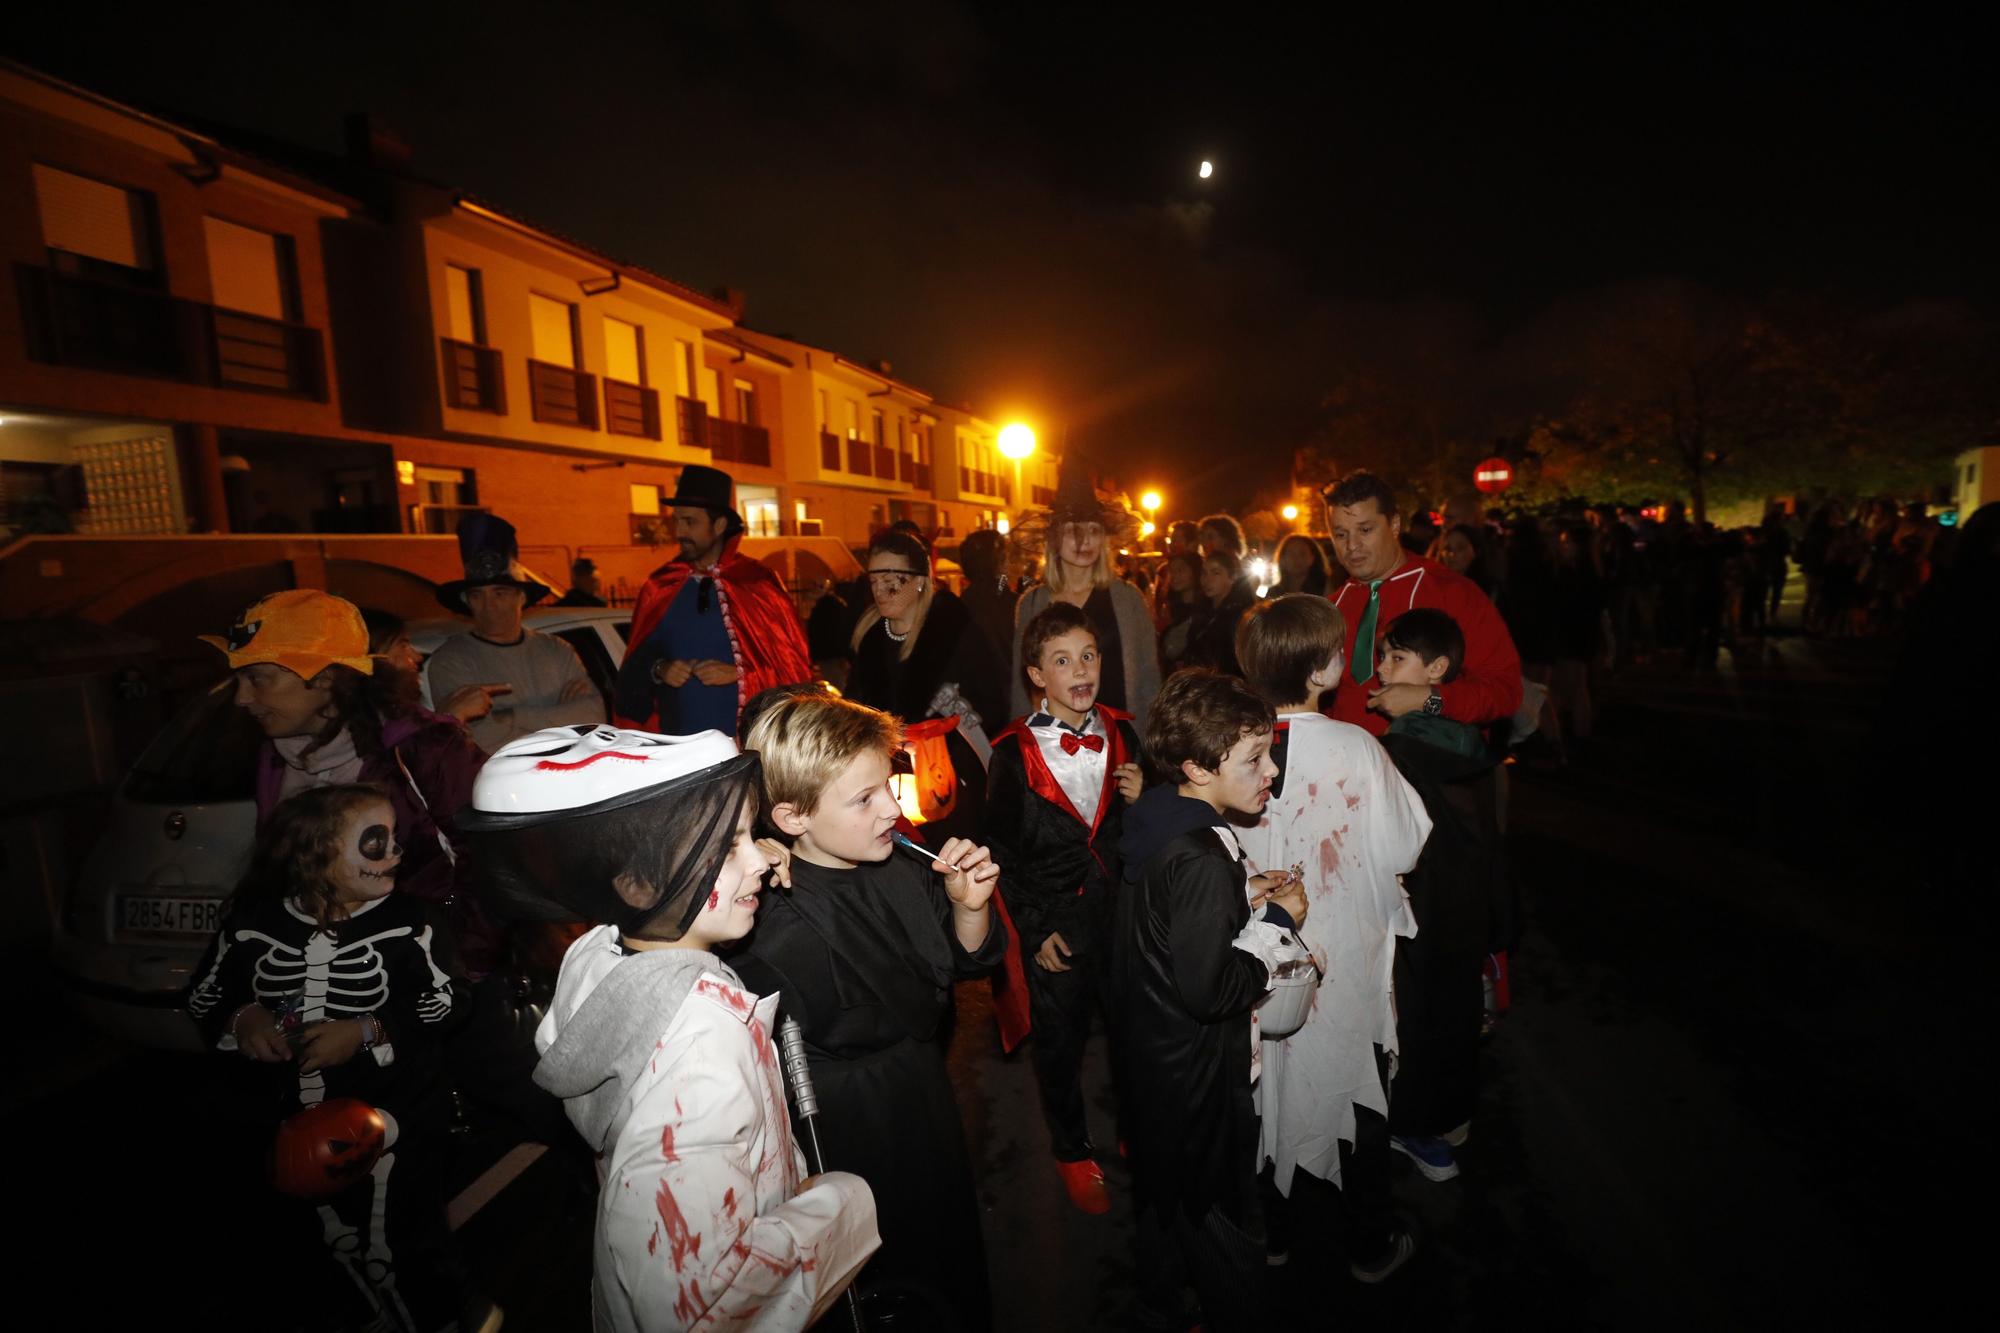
x,y
302,630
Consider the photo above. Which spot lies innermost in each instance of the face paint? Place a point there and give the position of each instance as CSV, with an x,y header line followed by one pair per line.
x,y
714,900
365,868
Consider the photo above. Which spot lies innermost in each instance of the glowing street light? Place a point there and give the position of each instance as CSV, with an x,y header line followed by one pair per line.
x,y
1146,529
1017,441
1207,169
1291,513
1150,502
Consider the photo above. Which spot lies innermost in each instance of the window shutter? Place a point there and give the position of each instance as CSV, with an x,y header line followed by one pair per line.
x,y
90,218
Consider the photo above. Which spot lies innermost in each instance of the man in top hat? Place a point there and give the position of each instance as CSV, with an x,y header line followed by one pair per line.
x,y
503,679
712,627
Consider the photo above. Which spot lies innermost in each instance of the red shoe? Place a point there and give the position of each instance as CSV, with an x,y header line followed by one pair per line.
x,y
1085,1182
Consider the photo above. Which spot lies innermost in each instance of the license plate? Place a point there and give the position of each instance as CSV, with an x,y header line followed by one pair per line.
x,y
170,916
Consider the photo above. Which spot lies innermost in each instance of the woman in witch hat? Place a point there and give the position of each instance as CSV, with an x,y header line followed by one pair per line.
x,y
1080,535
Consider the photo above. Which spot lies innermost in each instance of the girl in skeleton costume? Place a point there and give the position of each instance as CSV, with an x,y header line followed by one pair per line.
x,y
663,1058
326,977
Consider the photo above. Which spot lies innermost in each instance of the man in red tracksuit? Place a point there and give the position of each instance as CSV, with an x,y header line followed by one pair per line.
x,y
1384,581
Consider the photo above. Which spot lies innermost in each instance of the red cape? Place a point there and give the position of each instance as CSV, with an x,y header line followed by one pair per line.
x,y
764,629
1010,983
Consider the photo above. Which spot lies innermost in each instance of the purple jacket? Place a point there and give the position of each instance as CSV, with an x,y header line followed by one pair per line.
x,y
442,760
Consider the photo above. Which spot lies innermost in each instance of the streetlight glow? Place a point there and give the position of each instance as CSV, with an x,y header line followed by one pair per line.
x,y
1207,170
1017,441
1146,528
1150,501
1291,513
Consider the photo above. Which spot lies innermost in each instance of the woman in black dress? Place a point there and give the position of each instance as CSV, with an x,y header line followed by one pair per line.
x,y
915,639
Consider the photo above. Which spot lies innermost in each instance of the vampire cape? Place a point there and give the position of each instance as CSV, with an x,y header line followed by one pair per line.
x,y
764,633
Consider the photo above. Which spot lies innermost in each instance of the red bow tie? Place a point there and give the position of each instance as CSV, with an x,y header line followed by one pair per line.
x,y
1071,743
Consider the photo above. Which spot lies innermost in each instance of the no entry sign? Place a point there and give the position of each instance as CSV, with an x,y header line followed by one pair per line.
x,y
1493,475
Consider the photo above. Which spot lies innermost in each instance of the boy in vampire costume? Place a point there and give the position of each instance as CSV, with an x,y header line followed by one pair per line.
x,y
712,627
664,1060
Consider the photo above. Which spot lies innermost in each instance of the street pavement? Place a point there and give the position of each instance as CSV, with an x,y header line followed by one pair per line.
x,y
1731,1091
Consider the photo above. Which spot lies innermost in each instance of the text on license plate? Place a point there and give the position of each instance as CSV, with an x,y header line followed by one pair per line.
x,y
171,916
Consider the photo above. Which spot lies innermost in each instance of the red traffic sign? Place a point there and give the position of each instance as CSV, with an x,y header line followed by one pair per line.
x,y
1493,475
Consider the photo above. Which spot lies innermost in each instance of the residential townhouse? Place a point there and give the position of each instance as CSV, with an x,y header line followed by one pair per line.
x,y
332,359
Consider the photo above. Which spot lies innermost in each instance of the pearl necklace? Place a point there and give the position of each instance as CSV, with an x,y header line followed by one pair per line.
x,y
894,637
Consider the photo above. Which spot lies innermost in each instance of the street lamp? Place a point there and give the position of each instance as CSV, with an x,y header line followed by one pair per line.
x,y
1150,502
1291,513
1017,442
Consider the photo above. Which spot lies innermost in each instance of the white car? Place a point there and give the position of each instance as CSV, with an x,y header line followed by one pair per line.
x,y
178,837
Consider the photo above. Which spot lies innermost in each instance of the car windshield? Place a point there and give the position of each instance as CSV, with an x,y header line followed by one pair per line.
x,y
207,753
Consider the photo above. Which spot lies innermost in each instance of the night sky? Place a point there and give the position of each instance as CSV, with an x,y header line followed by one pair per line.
x,y
1003,201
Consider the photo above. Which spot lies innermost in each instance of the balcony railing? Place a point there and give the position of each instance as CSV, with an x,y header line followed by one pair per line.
x,y
829,451
923,477
98,325
631,409
562,396
473,379
885,462
906,467
857,457
739,442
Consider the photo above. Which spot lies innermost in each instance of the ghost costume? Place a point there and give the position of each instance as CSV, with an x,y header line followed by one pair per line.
x,y
1340,809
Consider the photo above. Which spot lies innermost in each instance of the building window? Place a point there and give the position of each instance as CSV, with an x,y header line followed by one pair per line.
x,y
95,222
759,507
683,367
645,499
624,351
553,324
876,430
853,420
825,417
746,402
465,305
250,270
445,486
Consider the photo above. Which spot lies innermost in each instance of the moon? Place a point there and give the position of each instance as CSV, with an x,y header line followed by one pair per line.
x,y
1207,169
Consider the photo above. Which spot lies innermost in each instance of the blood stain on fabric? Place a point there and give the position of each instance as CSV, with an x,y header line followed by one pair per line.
x,y
680,1241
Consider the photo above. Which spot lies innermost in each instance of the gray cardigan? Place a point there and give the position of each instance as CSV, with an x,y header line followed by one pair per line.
x,y
1136,643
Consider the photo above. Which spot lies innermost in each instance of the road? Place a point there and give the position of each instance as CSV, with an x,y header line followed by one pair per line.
x,y
1731,1090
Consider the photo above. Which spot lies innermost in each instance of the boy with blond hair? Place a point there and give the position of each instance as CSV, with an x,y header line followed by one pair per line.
x,y
864,949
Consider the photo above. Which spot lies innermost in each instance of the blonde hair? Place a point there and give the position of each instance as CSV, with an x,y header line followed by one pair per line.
x,y
1100,573
807,741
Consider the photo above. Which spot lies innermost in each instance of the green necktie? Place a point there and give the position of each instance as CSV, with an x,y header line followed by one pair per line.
x,y
1363,665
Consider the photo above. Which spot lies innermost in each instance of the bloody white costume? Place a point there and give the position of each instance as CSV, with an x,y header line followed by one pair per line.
x,y
668,1070
664,1061
1340,810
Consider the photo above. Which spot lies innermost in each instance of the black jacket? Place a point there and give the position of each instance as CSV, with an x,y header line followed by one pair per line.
x,y
1056,874
1185,995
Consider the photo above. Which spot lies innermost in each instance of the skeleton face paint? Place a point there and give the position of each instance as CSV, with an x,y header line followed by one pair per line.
x,y
365,869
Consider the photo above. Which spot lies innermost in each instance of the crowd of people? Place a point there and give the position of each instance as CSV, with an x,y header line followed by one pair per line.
x,y
1251,833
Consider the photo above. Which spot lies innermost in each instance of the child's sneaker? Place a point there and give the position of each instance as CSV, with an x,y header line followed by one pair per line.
x,y
1085,1182
1401,1246
1432,1156
1457,1137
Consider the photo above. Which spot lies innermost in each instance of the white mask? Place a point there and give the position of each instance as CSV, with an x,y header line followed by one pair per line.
x,y
567,768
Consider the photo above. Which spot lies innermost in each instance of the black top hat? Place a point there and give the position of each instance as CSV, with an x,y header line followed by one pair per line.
x,y
710,488
488,549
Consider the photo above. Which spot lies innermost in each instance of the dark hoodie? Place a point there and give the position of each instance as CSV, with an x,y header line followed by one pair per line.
x,y
1457,893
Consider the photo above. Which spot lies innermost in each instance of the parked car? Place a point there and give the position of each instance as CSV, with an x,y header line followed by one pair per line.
x,y
178,838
